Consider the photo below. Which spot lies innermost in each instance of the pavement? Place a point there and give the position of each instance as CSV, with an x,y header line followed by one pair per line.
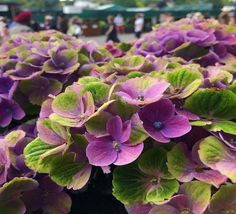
x,y
102,39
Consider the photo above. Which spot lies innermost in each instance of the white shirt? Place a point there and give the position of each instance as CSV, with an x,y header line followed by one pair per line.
x,y
138,24
119,21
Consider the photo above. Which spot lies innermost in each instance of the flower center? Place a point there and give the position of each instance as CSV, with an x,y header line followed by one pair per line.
x,y
158,125
7,110
186,211
155,181
116,146
140,97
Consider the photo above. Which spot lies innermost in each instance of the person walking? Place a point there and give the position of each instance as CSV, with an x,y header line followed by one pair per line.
x,y
22,23
48,23
74,27
119,21
138,25
63,24
111,33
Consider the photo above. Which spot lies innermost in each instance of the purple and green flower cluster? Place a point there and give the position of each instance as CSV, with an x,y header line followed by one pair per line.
x,y
161,117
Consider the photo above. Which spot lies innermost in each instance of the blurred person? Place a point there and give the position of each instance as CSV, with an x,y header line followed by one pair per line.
x,y
35,26
62,23
224,17
48,23
22,23
4,33
138,25
119,21
166,17
74,28
111,33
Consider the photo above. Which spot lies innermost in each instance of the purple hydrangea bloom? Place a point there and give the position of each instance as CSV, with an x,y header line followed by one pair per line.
x,y
7,87
161,123
114,148
62,61
142,91
200,37
9,110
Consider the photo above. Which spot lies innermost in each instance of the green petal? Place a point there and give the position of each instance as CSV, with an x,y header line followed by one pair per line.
x,y
224,200
178,163
198,194
10,193
216,155
128,184
97,125
14,137
180,78
190,51
211,103
63,168
153,162
33,152
88,79
225,126
165,190
98,90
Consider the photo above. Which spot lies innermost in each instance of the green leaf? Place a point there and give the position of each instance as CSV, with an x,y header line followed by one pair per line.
x,y
225,126
33,152
10,195
212,103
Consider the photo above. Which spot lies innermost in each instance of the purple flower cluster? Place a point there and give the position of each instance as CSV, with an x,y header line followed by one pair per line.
x,y
159,116
201,41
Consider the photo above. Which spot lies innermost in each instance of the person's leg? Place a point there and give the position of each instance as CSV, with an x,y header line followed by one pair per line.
x,y
138,34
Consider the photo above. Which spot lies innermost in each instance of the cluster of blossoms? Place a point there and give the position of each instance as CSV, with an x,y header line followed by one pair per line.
x,y
160,117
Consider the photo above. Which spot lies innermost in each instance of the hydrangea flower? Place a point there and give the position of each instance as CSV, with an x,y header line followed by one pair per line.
x,y
7,87
62,61
161,123
9,110
114,148
142,90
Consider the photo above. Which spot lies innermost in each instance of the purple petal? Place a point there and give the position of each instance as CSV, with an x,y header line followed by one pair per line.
x,y
128,153
101,152
115,127
176,126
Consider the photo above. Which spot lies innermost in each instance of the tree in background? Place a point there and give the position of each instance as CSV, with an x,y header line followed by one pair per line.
x,y
39,4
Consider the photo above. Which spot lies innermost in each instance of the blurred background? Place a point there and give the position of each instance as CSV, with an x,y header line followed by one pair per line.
x,y
89,17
